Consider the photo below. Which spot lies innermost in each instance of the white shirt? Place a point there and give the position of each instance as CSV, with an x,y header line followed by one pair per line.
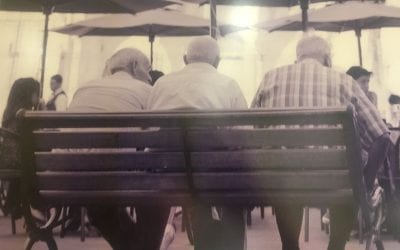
x,y
61,101
115,93
197,86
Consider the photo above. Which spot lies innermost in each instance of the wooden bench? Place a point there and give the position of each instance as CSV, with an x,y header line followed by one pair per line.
x,y
239,158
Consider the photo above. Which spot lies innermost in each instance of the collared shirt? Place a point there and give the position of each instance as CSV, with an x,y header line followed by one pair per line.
x,y
61,99
196,86
115,93
310,84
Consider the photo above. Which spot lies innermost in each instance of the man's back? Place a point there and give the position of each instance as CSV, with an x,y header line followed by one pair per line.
x,y
116,93
310,84
197,86
200,86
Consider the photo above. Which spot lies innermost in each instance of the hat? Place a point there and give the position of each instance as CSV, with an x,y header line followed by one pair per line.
x,y
357,71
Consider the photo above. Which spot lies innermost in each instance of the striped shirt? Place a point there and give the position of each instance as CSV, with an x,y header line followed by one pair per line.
x,y
310,84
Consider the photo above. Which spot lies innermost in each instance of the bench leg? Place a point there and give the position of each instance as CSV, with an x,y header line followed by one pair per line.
x,y
44,233
41,235
83,216
249,221
184,218
13,227
63,218
51,243
262,212
360,227
306,224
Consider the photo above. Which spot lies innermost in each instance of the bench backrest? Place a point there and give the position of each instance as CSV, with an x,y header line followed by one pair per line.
x,y
251,157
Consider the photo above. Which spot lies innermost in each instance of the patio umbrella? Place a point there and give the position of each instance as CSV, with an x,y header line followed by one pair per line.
x,y
152,23
342,17
304,4
76,6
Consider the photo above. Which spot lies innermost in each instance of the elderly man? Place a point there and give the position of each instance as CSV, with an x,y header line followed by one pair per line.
x,y
311,82
125,87
199,86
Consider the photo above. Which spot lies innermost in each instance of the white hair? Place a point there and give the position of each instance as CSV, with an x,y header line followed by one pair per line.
x,y
311,46
202,49
123,58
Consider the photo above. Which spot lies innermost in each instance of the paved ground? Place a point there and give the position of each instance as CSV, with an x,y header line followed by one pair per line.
x,y
262,235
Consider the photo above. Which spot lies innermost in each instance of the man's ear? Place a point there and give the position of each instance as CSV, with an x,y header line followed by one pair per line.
x,y
327,61
133,68
216,61
185,60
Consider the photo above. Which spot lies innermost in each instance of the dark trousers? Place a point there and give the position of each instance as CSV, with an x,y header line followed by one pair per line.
x,y
289,219
377,154
118,228
13,198
226,234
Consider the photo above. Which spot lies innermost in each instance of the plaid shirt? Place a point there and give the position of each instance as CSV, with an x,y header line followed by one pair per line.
x,y
310,84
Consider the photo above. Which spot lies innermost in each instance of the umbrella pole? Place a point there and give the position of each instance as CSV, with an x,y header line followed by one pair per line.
x,y
151,40
46,12
213,19
304,14
358,34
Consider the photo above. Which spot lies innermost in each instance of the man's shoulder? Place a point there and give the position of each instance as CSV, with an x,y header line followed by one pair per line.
x,y
115,83
281,68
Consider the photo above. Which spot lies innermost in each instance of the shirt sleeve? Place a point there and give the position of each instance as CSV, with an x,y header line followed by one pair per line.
x,y
369,121
239,101
61,102
258,97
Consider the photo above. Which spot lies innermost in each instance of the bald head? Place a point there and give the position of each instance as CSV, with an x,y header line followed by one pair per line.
x,y
203,50
314,47
131,61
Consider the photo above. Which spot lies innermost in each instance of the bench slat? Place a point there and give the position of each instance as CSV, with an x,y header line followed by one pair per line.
x,y
184,118
272,159
89,160
249,198
248,159
199,139
303,180
289,137
104,138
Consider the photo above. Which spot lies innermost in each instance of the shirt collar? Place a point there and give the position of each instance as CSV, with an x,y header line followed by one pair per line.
x,y
310,61
200,65
121,75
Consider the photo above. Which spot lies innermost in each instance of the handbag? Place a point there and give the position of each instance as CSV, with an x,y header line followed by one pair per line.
x,y
10,155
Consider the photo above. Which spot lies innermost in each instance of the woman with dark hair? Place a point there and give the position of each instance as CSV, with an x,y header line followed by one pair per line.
x,y
24,95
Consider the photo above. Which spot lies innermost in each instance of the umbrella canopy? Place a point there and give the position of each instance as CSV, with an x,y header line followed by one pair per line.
x,y
77,6
82,6
263,3
159,22
341,17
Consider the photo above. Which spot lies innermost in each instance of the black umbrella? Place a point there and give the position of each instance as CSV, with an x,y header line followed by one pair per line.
x,y
76,6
